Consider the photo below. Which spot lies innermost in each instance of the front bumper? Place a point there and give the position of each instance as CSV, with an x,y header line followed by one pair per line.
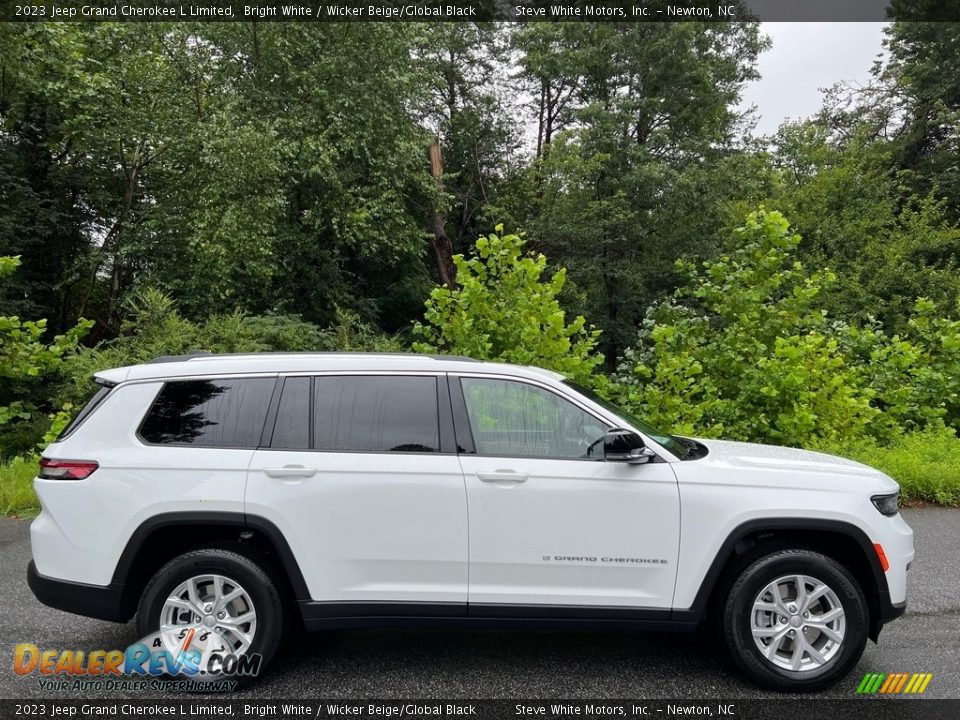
x,y
890,611
885,612
104,602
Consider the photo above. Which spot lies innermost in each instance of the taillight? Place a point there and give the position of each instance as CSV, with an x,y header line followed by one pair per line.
x,y
66,469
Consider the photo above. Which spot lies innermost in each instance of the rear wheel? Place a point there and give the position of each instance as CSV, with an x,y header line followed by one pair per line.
x,y
795,620
218,604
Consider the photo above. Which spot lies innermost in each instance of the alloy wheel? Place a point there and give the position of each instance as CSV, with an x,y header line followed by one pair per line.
x,y
212,604
798,623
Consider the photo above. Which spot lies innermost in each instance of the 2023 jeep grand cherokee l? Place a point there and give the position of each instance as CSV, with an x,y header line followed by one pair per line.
x,y
235,493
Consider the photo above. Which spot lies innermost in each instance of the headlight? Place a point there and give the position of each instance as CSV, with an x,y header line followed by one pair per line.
x,y
887,504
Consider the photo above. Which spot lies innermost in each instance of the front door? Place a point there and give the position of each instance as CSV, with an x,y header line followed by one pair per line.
x,y
551,522
361,480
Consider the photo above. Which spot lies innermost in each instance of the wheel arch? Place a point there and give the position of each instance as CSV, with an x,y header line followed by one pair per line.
x,y
843,541
162,537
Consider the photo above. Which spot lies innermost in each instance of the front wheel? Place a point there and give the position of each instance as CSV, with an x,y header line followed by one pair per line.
x,y
216,613
795,620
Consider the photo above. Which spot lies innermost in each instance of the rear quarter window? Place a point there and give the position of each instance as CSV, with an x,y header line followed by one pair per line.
x,y
209,413
84,413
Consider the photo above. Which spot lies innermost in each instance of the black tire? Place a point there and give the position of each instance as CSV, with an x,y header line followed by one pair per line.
x,y
737,607
249,574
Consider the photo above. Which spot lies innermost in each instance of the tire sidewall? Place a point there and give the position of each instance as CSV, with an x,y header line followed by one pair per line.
x,y
258,585
738,611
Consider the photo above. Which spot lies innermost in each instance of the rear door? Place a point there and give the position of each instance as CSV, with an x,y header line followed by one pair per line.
x,y
361,475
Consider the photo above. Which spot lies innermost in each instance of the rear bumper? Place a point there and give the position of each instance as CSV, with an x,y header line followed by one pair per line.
x,y
104,602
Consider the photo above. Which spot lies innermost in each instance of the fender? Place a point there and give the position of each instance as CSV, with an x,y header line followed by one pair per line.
x,y
241,521
698,610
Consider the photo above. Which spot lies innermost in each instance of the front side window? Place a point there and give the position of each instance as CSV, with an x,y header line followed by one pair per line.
x,y
209,413
376,414
520,420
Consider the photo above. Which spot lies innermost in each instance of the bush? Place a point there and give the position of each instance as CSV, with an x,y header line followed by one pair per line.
x,y
26,361
504,309
914,378
743,351
924,463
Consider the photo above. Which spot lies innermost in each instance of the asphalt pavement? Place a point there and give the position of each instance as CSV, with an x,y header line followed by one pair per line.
x,y
422,664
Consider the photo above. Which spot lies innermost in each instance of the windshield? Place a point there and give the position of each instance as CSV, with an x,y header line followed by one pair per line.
x,y
671,443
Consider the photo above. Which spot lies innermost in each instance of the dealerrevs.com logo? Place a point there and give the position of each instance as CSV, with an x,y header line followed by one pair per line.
x,y
175,658
894,683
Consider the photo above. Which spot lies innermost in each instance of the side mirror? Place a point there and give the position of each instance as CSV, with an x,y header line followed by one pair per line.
x,y
621,445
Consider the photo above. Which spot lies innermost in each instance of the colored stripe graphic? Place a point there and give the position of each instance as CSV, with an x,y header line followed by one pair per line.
x,y
894,683
870,683
901,683
909,687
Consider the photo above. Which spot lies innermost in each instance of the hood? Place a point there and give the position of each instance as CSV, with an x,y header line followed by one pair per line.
x,y
774,458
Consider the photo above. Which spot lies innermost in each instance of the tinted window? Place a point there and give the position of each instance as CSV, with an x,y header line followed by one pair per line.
x,y
521,420
292,429
376,414
212,413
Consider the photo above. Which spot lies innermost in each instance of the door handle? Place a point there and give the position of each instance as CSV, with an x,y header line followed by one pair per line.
x,y
503,476
290,471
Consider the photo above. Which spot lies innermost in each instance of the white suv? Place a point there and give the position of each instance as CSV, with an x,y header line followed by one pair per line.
x,y
243,492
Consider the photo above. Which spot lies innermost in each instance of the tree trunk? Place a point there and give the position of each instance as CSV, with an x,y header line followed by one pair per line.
x,y
110,249
540,121
442,247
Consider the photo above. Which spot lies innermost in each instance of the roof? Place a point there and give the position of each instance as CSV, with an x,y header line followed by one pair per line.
x,y
169,366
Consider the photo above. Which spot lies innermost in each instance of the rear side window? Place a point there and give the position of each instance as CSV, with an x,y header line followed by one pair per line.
x,y
209,413
292,428
376,414
86,412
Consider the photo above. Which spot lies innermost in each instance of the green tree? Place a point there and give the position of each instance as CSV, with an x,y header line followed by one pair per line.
x,y
505,309
463,70
921,85
313,175
43,175
240,167
887,246
648,112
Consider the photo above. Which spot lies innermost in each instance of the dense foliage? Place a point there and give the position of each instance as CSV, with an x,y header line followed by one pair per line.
x,y
745,349
25,358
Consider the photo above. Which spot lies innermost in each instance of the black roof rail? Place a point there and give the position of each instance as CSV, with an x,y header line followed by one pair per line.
x,y
177,358
458,358
207,353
